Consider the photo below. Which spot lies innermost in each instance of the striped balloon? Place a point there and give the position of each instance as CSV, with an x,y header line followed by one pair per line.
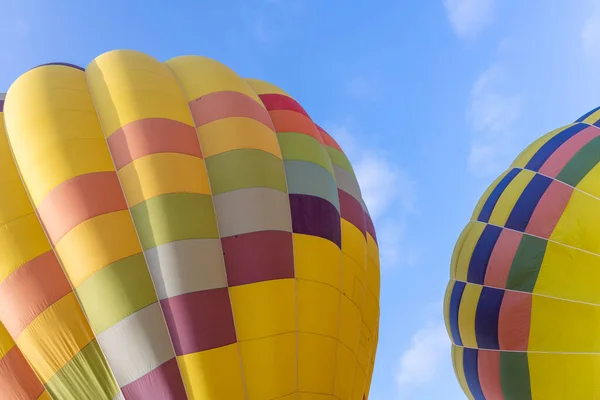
x,y
523,304
173,231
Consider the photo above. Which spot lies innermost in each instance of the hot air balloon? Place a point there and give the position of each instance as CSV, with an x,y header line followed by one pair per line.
x,y
173,231
523,304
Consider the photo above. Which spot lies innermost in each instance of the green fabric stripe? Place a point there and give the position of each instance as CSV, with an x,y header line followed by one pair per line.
x,y
86,376
581,164
338,158
245,168
301,147
312,179
117,291
514,375
526,265
175,216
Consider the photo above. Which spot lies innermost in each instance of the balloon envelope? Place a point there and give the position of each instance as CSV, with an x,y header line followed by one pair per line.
x,y
523,304
173,231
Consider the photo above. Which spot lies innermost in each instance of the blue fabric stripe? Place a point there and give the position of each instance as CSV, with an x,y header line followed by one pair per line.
x,y
486,318
540,157
455,297
584,116
470,365
528,201
482,253
490,203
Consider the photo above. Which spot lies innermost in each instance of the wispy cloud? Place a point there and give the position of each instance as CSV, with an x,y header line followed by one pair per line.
x,y
427,354
390,194
492,114
469,17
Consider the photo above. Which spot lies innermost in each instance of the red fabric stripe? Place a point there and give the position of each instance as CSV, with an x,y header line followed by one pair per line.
x,y
276,101
219,105
152,136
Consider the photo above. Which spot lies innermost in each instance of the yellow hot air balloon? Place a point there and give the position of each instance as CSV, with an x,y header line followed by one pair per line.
x,y
173,231
522,306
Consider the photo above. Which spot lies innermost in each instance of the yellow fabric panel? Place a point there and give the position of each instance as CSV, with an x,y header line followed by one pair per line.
x,y
129,85
316,363
577,282
262,87
6,342
318,306
200,76
14,202
263,308
464,249
373,267
317,259
53,128
234,133
44,396
486,195
55,337
212,373
589,183
576,332
354,243
353,280
592,118
509,197
447,295
526,155
466,314
370,312
578,225
364,347
273,357
459,370
564,376
162,173
345,366
21,240
97,243
350,321
359,384
308,396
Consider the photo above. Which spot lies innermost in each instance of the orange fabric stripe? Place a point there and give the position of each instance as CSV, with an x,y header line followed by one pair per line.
x,y
31,289
225,104
292,121
150,136
79,199
17,379
328,139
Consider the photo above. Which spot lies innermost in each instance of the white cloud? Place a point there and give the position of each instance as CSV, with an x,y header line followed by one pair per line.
x,y
590,36
390,194
469,17
422,361
492,113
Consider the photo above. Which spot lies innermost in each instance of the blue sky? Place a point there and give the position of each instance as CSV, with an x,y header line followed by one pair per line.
x,y
431,100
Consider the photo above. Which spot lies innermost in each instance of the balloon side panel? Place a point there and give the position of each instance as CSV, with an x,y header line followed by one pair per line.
x,y
248,184
164,177
68,170
317,239
41,312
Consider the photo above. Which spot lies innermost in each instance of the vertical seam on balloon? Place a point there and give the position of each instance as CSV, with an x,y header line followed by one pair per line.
x,y
296,305
138,239
341,283
60,262
237,341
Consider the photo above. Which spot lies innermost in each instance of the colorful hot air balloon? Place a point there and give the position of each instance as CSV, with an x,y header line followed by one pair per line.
x,y
173,231
523,303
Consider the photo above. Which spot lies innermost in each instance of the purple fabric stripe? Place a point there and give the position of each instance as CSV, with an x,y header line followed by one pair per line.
x,y
370,226
199,321
61,63
315,216
1,105
163,383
